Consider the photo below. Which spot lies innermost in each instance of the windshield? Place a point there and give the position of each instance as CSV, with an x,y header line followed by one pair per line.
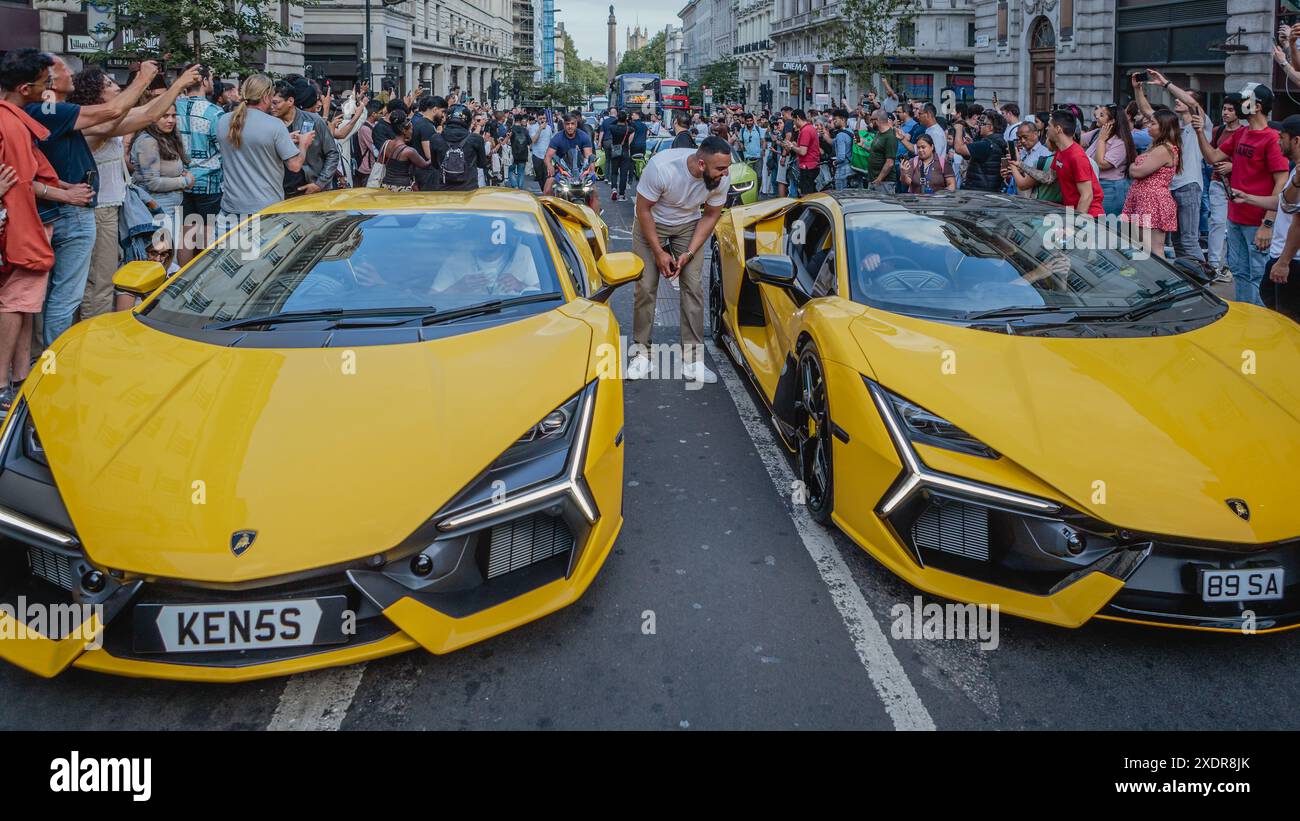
x,y
960,264
638,90
357,262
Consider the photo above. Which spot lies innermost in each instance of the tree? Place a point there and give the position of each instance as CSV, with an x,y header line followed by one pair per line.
x,y
722,78
587,75
866,32
650,59
227,37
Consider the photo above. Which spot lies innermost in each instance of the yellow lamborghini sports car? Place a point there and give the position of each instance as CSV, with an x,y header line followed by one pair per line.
x,y
1003,414
370,423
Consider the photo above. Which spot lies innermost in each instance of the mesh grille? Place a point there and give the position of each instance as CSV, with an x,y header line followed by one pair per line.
x,y
954,527
48,565
526,541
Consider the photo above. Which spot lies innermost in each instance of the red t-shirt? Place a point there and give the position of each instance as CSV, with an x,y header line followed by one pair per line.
x,y
808,138
1255,157
1072,167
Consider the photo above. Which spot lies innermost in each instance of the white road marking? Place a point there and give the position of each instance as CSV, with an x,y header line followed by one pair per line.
x,y
873,648
318,700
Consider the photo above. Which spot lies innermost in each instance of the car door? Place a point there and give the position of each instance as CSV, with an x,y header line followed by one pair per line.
x,y
808,239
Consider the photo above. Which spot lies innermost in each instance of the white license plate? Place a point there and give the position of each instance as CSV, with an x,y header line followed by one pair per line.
x,y
192,628
1244,584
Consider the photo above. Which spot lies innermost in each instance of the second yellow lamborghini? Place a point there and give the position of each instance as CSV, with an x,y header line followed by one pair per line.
x,y
1002,414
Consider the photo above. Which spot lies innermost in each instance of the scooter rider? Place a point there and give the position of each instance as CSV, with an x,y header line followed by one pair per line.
x,y
569,144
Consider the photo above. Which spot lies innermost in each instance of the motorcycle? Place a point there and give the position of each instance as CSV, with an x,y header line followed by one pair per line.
x,y
575,187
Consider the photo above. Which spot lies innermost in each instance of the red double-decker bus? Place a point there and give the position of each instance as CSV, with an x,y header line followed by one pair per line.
x,y
673,97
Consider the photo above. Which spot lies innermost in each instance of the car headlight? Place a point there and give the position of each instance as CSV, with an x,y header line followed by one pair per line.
x,y
545,463
924,427
550,433
32,447
742,187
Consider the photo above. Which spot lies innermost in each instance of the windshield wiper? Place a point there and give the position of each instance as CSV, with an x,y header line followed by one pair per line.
x,y
1157,304
488,307
312,316
1013,311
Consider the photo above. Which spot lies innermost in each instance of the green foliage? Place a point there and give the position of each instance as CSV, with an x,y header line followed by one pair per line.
x,y
865,33
225,36
587,75
722,77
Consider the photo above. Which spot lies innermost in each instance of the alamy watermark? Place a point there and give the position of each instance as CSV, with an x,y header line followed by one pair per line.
x,y
971,622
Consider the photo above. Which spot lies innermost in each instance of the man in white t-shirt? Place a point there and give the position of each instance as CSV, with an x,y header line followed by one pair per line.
x,y
668,235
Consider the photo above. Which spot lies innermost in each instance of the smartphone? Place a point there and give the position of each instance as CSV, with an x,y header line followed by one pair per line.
x,y
1143,76
1006,162
92,178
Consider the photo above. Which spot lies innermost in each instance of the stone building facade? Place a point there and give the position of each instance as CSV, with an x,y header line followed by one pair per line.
x,y
1045,52
937,53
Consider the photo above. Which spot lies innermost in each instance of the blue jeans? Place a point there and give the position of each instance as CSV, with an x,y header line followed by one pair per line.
x,y
1113,193
516,175
1246,262
74,239
1188,242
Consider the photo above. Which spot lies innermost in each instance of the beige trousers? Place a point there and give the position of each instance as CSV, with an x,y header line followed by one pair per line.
x,y
105,259
677,238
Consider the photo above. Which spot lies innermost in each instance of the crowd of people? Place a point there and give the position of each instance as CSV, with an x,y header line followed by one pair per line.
x,y
1191,184
90,170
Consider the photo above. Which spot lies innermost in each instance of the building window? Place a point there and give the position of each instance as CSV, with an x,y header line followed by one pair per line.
x,y
907,34
1067,19
1002,23
970,35
1043,36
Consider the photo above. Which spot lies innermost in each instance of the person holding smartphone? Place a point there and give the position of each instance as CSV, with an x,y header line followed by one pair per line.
x,y
291,102
1251,159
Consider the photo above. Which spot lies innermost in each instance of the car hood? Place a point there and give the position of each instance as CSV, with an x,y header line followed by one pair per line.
x,y
1151,434
162,447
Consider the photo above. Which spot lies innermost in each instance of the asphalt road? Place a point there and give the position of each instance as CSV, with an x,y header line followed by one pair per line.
x,y
762,619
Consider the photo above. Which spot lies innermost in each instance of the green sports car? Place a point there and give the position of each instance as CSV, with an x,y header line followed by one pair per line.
x,y
744,179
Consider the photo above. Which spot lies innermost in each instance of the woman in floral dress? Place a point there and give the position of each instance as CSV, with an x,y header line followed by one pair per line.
x,y
1149,203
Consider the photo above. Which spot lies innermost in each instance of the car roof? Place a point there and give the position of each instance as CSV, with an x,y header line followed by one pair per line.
x,y
381,199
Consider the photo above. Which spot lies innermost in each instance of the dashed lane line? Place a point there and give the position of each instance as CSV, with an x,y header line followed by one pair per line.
x,y
318,700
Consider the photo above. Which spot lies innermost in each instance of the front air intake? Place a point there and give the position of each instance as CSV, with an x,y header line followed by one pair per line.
x,y
953,527
528,540
52,567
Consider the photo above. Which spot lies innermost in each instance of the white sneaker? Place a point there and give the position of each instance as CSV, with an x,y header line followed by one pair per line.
x,y
698,372
639,367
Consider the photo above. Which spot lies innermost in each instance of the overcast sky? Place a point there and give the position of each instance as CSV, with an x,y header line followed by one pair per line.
x,y
585,21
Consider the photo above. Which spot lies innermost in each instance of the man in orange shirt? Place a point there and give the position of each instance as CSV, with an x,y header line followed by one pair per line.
x,y
25,253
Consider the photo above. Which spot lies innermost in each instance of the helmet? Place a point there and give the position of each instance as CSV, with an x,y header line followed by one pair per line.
x,y
458,114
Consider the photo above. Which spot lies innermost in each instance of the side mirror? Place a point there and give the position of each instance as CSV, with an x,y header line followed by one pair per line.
x,y
771,269
619,268
140,278
1199,271
616,268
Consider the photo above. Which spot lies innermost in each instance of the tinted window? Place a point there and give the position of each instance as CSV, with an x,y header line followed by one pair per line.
x,y
321,261
956,264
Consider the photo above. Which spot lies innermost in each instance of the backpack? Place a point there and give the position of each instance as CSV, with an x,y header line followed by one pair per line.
x,y
519,143
455,167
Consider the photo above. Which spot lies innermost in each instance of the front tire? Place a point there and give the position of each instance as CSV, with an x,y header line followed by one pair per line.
x,y
717,308
816,469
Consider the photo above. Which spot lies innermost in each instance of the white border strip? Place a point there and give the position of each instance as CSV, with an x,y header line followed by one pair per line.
x,y
873,648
